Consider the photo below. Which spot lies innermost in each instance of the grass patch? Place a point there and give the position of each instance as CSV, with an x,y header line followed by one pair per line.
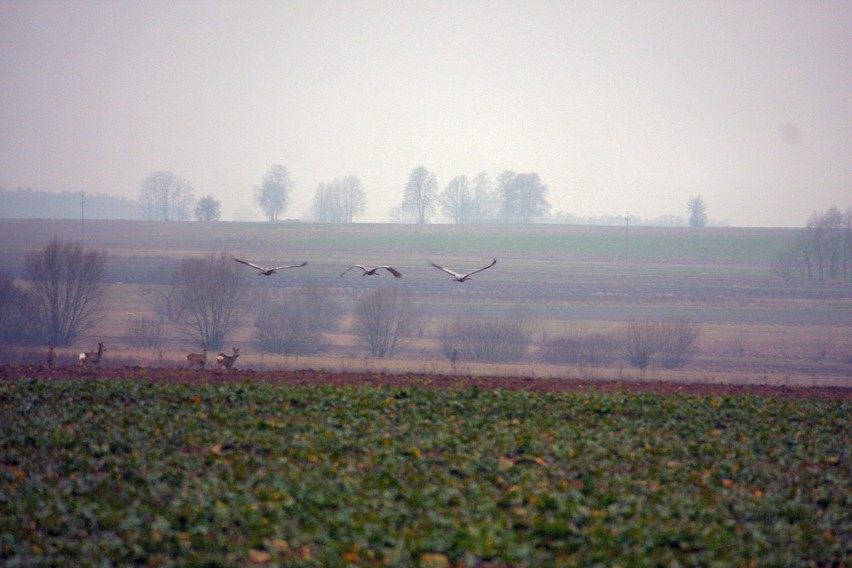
x,y
152,473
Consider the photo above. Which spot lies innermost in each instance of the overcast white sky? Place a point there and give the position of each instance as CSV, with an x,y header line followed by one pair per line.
x,y
618,106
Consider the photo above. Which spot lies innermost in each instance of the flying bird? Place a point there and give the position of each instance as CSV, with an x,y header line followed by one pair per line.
x,y
371,270
266,271
462,277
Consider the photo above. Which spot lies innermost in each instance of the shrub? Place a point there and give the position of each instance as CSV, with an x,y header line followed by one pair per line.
x,y
563,350
288,329
383,318
590,349
674,340
678,340
639,342
491,339
320,311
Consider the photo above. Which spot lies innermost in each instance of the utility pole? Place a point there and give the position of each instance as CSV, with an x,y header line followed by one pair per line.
x,y
627,231
82,216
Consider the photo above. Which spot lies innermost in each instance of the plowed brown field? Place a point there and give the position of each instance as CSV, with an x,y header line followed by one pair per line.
x,y
356,379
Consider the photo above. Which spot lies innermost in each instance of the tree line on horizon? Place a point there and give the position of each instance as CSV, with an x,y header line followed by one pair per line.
x,y
26,203
822,251
510,198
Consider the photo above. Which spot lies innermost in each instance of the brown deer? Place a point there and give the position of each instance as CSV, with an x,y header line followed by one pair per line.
x,y
227,361
199,359
92,357
50,358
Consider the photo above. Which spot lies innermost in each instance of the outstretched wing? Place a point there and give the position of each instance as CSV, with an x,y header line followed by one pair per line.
x,y
447,270
493,262
290,266
253,265
361,266
396,273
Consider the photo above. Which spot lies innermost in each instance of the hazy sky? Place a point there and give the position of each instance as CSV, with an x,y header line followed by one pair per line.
x,y
618,106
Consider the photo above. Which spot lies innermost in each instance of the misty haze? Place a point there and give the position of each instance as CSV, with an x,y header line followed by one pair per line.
x,y
428,284
618,108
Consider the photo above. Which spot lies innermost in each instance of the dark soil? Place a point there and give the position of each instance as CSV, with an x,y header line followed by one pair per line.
x,y
355,379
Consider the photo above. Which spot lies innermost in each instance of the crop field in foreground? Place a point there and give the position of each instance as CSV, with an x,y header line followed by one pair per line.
x,y
238,473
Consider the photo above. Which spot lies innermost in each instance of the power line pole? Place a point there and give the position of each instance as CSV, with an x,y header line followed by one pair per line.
x,y
82,216
627,231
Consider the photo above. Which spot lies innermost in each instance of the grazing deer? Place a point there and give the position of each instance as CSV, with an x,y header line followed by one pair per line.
x,y
92,357
227,361
50,358
199,359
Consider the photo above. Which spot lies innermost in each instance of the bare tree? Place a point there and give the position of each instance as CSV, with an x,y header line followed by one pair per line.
x,y
492,339
206,296
674,340
68,284
321,311
326,205
825,241
208,209
383,318
484,201
847,246
523,197
640,343
785,266
166,197
588,349
296,323
697,212
823,250
352,198
340,201
21,322
678,341
457,200
287,328
421,194
165,298
273,195
503,192
600,348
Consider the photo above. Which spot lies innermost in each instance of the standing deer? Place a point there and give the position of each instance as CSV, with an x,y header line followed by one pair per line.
x,y
50,358
199,359
227,361
92,357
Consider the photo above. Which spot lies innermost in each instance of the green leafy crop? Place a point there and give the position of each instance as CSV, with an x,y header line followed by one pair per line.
x,y
121,472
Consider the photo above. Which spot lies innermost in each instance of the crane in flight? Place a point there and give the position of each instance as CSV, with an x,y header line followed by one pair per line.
x,y
266,271
371,270
462,277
